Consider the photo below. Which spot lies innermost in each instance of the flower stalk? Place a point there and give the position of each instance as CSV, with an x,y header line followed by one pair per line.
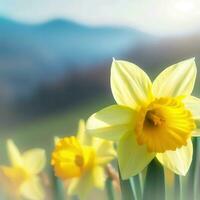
x,y
138,185
110,189
178,188
154,187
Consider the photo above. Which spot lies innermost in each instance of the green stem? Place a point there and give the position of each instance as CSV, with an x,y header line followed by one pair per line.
x,y
154,188
141,181
178,190
74,198
126,189
190,181
197,172
109,189
137,186
133,187
59,191
181,188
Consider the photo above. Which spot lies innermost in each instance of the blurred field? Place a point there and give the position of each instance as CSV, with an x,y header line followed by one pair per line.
x,y
41,131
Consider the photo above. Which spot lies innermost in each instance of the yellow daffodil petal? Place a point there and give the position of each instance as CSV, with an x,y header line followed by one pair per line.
x,y
133,158
34,160
11,178
56,139
105,151
193,104
178,161
196,132
130,85
176,80
83,138
14,154
81,186
111,122
32,189
198,124
98,177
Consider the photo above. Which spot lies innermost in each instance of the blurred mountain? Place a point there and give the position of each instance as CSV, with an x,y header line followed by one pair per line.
x,y
31,54
56,65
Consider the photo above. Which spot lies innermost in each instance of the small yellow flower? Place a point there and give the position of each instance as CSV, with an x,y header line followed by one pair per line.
x,y
81,160
150,119
21,178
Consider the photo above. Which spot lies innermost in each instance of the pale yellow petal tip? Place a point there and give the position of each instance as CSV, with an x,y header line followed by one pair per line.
x,y
181,173
34,160
127,172
125,176
184,173
81,127
193,58
115,62
81,122
56,139
10,142
11,147
90,124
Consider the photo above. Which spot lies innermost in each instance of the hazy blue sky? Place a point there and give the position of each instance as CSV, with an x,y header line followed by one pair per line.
x,y
154,16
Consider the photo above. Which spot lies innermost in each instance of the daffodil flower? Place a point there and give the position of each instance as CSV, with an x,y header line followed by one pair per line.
x,y
21,178
81,160
150,119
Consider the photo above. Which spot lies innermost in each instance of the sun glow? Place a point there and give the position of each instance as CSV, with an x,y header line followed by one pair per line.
x,y
171,17
185,6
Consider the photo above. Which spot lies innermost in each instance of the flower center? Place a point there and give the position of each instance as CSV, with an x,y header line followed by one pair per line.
x,y
153,118
79,160
71,159
164,124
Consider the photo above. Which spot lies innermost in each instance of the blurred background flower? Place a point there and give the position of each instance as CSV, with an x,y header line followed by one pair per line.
x,y
81,162
21,179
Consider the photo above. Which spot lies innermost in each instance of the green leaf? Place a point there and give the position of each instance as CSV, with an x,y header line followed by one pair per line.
x,y
58,188
190,178
109,189
126,189
154,188
136,183
197,171
177,188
